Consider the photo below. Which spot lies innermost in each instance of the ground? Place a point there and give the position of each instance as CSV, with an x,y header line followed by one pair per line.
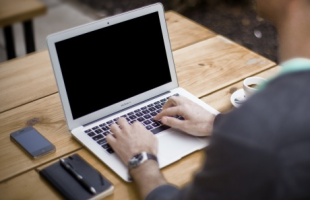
x,y
237,20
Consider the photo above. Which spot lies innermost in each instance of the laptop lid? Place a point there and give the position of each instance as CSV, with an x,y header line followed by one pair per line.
x,y
111,64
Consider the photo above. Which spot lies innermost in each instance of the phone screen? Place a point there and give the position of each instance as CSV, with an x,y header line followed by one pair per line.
x,y
32,141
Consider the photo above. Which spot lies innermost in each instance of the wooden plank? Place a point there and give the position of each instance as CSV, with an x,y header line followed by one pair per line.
x,y
12,11
28,186
31,186
215,63
28,78
47,115
220,100
184,32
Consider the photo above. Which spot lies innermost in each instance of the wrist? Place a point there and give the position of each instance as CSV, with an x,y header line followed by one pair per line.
x,y
147,177
143,169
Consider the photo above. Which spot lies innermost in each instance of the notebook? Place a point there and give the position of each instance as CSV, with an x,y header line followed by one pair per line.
x,y
120,66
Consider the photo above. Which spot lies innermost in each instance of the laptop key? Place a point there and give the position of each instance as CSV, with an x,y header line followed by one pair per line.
x,y
147,116
101,142
132,116
145,111
151,109
102,125
98,137
149,127
91,134
156,102
138,110
131,113
181,118
140,119
87,131
143,108
158,106
139,114
106,146
155,124
147,122
110,122
105,128
105,133
160,129
153,113
98,131
110,150
96,127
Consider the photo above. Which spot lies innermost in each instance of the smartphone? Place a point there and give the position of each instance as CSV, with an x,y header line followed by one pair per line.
x,y
33,142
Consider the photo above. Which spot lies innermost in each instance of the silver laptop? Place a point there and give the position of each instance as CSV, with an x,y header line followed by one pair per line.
x,y
121,66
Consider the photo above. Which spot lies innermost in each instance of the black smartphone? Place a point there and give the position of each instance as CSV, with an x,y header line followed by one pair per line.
x,y
33,142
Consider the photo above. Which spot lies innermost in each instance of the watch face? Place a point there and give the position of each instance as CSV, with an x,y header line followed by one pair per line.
x,y
136,160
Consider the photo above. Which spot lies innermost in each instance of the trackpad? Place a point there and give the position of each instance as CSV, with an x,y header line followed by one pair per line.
x,y
177,144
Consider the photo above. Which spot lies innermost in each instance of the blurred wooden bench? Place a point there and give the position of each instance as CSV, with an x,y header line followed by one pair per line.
x,y
15,11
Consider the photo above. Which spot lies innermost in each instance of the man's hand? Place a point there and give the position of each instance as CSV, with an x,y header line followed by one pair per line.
x,y
128,140
198,121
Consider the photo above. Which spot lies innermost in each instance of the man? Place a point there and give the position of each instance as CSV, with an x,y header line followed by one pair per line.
x,y
258,151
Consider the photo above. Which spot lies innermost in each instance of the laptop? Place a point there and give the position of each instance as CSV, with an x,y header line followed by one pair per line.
x,y
120,66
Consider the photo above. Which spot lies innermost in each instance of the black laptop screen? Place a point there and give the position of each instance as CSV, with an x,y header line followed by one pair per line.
x,y
106,66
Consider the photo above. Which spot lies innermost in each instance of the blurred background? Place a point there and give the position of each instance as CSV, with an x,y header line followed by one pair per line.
x,y
234,19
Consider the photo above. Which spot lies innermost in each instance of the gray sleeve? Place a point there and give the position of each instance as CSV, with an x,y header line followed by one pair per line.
x,y
163,192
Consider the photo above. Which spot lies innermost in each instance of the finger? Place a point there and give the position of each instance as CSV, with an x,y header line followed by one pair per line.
x,y
173,122
115,130
171,102
122,122
172,111
111,140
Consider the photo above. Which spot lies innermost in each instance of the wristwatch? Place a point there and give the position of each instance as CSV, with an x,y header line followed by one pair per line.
x,y
140,158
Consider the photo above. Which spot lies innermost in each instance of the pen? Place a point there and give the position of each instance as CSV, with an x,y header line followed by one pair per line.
x,y
77,176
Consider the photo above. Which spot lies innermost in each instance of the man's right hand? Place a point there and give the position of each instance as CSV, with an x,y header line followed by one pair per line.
x,y
197,121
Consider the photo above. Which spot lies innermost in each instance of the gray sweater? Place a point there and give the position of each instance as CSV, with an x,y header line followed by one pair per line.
x,y
260,150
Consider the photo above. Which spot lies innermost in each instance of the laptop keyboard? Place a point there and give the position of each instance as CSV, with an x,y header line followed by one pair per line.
x,y
144,115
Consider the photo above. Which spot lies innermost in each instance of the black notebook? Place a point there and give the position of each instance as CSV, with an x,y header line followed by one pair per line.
x,y
66,184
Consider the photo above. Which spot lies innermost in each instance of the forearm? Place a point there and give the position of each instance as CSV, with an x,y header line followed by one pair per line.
x,y
147,177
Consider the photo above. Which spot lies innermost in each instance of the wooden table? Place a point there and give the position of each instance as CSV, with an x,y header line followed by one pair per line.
x,y
208,65
14,11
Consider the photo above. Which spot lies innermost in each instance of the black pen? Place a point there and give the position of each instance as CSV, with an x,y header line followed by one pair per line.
x,y
77,176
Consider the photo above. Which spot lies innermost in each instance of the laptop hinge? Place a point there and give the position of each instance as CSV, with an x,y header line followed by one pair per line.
x,y
127,108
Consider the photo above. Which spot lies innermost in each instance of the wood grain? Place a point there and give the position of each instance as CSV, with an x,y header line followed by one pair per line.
x,y
47,117
26,79
184,32
28,186
220,100
215,63
12,11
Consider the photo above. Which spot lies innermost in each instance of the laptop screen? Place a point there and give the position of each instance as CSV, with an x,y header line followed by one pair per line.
x,y
106,66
